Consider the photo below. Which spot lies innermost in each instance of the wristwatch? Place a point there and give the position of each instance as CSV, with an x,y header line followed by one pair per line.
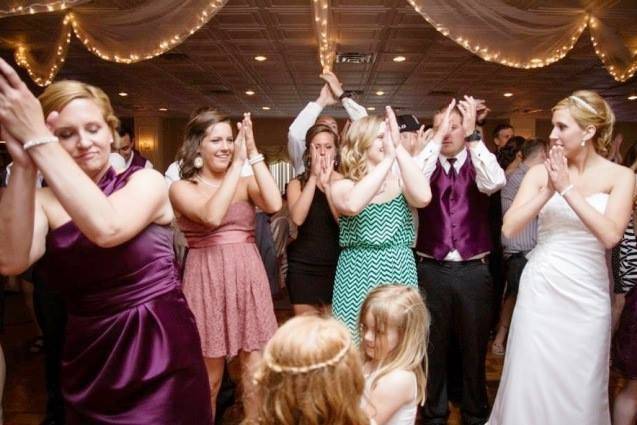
x,y
473,137
345,94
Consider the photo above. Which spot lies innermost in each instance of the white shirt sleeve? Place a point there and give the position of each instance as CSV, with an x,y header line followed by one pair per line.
x,y
489,175
148,164
117,161
172,173
354,110
428,157
296,134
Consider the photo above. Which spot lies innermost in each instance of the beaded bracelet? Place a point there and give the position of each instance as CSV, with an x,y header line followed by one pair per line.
x,y
40,141
256,159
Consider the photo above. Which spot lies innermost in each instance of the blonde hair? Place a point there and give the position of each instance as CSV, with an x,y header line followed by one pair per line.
x,y
403,307
59,94
310,375
589,108
355,144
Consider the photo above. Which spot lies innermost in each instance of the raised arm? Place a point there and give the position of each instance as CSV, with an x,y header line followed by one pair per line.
x,y
534,192
300,200
262,188
350,198
490,176
608,227
415,185
302,123
23,226
106,221
326,177
211,211
354,110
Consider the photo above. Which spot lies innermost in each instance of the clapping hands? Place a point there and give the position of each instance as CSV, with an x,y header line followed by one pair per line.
x,y
557,167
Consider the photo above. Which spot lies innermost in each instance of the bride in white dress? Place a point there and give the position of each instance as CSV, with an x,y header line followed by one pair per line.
x,y
557,358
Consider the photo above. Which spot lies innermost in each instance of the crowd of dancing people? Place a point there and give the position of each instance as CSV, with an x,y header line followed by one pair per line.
x,y
411,239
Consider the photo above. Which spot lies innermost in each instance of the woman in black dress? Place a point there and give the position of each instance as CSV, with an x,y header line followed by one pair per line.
x,y
312,257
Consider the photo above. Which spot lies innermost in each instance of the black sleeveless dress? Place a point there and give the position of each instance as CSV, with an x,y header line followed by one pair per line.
x,y
313,256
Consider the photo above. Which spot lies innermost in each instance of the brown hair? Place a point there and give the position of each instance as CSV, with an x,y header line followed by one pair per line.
x,y
313,131
310,374
194,134
589,108
59,94
403,307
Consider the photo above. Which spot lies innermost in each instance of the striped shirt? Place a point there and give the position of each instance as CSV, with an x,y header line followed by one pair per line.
x,y
527,238
625,261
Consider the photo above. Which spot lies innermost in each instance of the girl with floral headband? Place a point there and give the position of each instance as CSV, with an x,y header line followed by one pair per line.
x,y
310,374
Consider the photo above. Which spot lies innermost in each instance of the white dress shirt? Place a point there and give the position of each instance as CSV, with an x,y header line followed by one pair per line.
x,y
306,119
490,176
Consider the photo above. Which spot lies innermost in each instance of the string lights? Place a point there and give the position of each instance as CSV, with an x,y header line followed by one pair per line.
x,y
621,77
44,75
327,45
500,57
163,46
40,7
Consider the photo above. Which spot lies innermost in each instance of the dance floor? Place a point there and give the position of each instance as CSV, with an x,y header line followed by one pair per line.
x,y
24,398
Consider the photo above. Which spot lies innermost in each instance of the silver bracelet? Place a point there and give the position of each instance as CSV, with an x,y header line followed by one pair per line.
x,y
40,141
566,190
256,159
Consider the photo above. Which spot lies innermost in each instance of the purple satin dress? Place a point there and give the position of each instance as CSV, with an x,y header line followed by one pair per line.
x,y
132,353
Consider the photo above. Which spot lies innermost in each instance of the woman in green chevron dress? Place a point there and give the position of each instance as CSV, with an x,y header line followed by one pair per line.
x,y
376,226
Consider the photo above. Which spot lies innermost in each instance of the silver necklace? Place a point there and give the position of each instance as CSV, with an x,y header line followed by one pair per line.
x,y
206,182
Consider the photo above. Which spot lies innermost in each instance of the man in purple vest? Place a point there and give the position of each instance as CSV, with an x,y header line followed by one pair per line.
x,y
452,252
125,146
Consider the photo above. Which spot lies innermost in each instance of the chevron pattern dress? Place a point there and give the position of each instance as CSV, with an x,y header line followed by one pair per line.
x,y
375,250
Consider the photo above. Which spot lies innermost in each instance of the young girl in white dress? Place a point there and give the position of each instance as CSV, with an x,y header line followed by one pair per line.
x,y
394,326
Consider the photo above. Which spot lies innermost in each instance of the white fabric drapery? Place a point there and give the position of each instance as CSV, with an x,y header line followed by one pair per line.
x,y
324,33
124,36
30,7
496,30
500,32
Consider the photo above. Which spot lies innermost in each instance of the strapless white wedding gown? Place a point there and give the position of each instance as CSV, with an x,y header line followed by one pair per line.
x,y
557,358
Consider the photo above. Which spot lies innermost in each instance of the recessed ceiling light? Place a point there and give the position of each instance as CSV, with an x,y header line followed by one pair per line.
x,y
632,97
380,93
371,108
400,59
163,109
260,58
265,108
123,94
249,92
508,94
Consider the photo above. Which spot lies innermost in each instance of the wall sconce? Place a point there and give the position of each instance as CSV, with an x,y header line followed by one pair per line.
x,y
146,144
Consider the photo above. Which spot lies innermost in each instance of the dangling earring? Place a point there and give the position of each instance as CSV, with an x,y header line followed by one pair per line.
x,y
198,162
583,143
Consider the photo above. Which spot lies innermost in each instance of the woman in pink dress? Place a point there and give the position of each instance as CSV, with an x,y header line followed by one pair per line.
x,y
224,281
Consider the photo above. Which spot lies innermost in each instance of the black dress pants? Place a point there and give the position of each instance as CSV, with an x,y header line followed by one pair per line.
x,y
459,296
50,312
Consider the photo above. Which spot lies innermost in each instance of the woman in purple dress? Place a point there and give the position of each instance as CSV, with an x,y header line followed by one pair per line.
x,y
132,352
